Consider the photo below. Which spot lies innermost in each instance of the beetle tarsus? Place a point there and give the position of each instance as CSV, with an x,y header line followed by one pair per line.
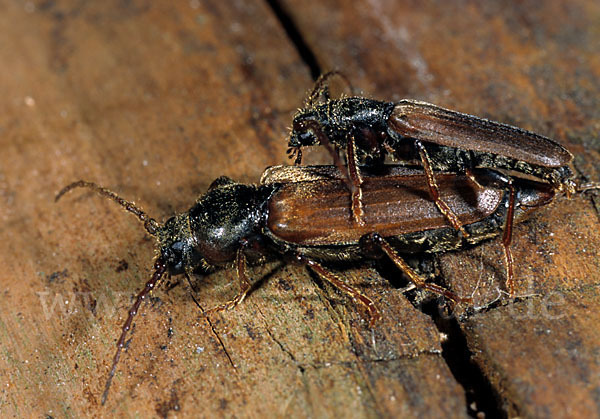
x,y
245,285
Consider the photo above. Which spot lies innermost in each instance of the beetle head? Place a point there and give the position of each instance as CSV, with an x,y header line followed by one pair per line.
x,y
307,125
335,120
177,245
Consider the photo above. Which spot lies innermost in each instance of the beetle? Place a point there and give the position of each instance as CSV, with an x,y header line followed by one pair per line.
x,y
420,133
300,214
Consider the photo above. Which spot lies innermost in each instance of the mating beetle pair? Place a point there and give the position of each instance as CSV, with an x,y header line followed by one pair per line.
x,y
434,138
302,213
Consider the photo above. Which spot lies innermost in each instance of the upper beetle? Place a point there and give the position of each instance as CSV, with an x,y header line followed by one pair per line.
x,y
420,133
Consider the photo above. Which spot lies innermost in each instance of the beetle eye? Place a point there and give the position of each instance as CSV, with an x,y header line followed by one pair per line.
x,y
172,256
306,138
298,124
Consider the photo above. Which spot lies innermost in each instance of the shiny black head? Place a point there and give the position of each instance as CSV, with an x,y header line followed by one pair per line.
x,y
337,119
213,230
178,248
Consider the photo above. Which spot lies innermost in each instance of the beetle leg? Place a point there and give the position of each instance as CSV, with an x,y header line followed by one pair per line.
x,y
315,128
355,177
435,192
410,272
504,182
471,176
240,263
507,239
356,295
350,172
169,285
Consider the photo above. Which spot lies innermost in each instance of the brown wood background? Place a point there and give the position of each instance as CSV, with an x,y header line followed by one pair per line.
x,y
156,99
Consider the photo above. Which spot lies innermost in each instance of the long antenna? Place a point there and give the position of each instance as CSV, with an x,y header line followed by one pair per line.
x,y
321,86
150,224
159,269
589,186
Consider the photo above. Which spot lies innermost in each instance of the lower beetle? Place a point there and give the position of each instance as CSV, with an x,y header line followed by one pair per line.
x,y
301,214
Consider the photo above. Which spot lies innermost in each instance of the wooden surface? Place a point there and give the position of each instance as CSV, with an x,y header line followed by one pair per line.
x,y
155,100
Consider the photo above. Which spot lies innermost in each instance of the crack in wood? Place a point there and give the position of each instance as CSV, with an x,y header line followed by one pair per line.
x,y
295,36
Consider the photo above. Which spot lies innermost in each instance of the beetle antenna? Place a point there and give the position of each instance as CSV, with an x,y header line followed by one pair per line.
x,y
159,269
150,224
587,186
322,86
